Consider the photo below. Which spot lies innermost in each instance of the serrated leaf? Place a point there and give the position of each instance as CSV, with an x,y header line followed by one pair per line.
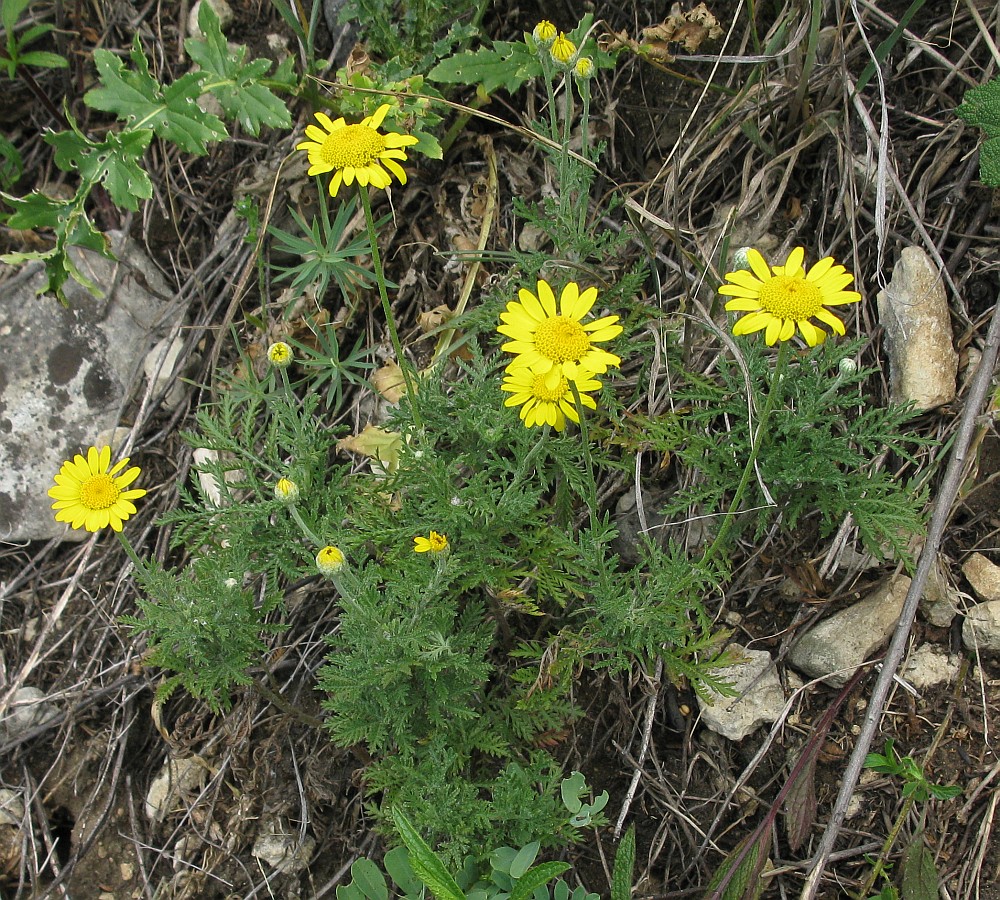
x,y
981,107
800,802
535,878
235,83
114,162
426,863
624,869
11,164
744,883
920,876
504,65
136,97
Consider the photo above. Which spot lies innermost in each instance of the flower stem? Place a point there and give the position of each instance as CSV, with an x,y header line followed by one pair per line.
x,y
773,398
411,389
589,462
306,530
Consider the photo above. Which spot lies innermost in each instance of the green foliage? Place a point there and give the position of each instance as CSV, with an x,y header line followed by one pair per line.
x,y
818,454
915,783
204,624
981,107
326,369
511,64
170,112
17,52
413,32
624,869
325,253
236,84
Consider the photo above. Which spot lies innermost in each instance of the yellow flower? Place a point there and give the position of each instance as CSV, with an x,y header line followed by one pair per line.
x,y
91,495
330,560
563,49
545,338
433,543
544,33
279,354
547,399
584,67
286,490
356,151
783,297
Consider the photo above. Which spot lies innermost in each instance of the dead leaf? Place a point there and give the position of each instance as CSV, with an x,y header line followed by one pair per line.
x,y
687,29
375,443
389,381
434,318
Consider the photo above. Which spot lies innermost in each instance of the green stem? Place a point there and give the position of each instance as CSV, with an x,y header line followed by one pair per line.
x,y
588,460
397,347
306,530
565,201
584,86
773,398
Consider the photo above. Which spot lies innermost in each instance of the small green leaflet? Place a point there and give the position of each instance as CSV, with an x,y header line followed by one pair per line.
x,y
505,65
981,107
234,83
114,162
171,112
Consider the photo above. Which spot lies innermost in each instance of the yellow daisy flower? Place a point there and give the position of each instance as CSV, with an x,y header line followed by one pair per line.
x,y
280,355
547,399
91,495
545,338
433,543
356,152
286,490
783,297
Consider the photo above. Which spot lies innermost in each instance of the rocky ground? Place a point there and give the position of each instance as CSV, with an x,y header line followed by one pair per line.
x,y
105,794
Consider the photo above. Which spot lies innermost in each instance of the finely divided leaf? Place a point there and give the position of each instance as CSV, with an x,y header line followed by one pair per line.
x,y
137,97
623,873
235,83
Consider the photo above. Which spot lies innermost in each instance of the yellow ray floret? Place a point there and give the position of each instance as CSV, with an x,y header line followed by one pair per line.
x,y
545,337
779,299
356,152
547,398
91,494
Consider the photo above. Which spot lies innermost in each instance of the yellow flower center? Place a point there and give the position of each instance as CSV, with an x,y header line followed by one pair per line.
x,y
547,394
353,146
437,541
99,492
561,339
791,297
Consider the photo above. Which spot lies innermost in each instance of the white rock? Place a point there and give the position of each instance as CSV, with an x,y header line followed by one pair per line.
x,y
177,777
222,9
928,666
737,716
284,852
923,364
160,366
28,709
981,628
11,807
845,640
65,372
983,576
940,601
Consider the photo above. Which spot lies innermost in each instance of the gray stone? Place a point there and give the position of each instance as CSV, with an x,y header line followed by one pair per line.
x,y
737,716
28,709
928,666
839,644
940,601
282,851
981,628
923,364
220,7
983,576
65,374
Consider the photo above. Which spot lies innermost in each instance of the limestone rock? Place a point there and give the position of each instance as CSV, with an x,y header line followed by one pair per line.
x,y
737,716
283,851
940,601
981,628
28,709
837,645
220,7
923,364
65,372
983,576
928,666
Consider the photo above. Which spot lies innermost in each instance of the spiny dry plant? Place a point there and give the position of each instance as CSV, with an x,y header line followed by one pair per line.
x,y
828,125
